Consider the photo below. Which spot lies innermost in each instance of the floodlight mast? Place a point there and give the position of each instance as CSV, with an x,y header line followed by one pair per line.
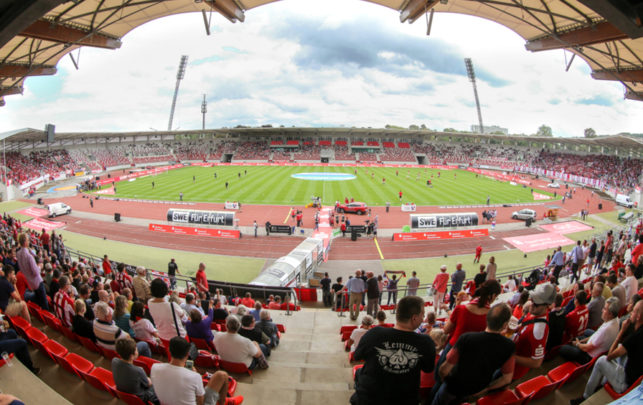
x,y
204,109
179,76
472,78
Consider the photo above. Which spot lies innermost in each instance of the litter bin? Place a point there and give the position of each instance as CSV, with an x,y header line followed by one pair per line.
x,y
600,206
388,206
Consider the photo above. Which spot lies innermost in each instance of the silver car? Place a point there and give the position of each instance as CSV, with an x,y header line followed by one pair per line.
x,y
524,214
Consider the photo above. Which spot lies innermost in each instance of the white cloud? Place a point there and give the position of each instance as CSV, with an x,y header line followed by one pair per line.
x,y
259,72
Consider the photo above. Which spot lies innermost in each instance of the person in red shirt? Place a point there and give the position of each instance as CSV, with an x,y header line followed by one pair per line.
x,y
478,254
21,285
44,239
440,288
202,280
107,266
531,336
576,321
248,301
400,194
638,250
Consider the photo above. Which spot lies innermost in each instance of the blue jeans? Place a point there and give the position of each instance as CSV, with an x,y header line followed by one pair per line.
x,y
443,397
40,296
264,349
11,343
392,294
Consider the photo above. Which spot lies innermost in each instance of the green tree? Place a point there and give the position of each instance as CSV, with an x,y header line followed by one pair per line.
x,y
590,133
544,130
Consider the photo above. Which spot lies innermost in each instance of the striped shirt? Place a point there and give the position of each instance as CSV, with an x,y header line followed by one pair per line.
x,y
64,306
124,279
107,333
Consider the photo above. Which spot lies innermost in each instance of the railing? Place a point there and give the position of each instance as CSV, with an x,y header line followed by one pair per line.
x,y
228,288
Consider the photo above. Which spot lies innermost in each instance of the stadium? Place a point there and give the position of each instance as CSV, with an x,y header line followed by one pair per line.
x,y
266,211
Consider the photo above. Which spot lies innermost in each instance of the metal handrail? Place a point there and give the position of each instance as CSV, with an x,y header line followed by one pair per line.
x,y
229,288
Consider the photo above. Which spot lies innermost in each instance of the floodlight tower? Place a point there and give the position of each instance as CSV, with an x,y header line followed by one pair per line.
x,y
472,78
204,109
179,76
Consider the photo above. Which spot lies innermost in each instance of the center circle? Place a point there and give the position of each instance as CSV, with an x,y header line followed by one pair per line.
x,y
322,176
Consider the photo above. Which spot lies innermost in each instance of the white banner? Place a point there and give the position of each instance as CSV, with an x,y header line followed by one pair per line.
x,y
408,207
231,205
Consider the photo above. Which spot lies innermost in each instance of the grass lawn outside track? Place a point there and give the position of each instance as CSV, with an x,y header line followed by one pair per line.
x,y
274,186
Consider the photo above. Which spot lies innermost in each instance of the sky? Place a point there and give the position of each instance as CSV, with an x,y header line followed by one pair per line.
x,y
322,63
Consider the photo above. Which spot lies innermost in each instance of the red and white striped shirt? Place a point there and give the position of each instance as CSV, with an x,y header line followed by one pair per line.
x,y
64,306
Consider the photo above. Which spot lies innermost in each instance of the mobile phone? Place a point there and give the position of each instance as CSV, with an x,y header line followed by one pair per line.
x,y
189,364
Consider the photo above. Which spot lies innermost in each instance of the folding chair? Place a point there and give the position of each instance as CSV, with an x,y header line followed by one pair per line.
x,y
101,379
537,387
504,397
145,363
74,364
235,368
88,344
53,349
130,399
616,395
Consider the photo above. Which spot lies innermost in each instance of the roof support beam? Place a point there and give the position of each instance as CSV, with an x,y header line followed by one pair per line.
x,y
15,16
229,9
630,75
11,70
601,32
632,95
415,8
9,91
47,31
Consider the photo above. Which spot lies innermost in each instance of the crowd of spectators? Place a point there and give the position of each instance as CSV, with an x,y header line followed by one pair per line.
x,y
252,151
22,168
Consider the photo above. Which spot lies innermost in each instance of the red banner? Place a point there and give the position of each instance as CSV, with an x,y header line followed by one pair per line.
x,y
469,233
188,230
39,224
34,212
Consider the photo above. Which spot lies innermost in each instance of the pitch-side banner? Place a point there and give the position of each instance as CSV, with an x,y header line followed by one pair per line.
x,y
470,233
186,230
221,218
450,220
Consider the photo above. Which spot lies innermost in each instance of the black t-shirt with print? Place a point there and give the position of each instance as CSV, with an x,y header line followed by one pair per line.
x,y
393,360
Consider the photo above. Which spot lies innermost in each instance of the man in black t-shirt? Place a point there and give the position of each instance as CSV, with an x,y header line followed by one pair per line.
x,y
393,359
468,370
249,331
172,269
326,294
630,345
337,287
372,294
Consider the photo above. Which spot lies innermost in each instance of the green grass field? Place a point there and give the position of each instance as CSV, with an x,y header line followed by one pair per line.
x,y
274,185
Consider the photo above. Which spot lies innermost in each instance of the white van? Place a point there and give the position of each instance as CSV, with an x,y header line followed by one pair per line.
x,y
58,208
624,200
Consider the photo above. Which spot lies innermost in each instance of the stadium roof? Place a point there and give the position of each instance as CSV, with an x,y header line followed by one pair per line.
x,y
30,136
607,34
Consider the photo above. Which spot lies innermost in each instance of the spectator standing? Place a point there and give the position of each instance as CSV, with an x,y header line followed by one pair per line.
x,y
31,270
618,376
578,258
385,379
372,294
617,290
172,271
202,280
457,278
141,285
336,291
129,378
491,268
412,284
107,265
355,287
327,297
476,259
558,261
630,283
471,371
177,385
481,277
440,288
391,288
124,280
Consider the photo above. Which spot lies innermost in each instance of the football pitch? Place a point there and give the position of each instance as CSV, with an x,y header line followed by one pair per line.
x,y
275,185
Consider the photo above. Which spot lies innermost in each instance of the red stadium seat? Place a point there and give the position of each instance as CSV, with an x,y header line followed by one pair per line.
x,y
130,399
34,311
51,321
235,368
537,387
35,335
281,328
207,359
355,368
616,395
562,373
108,353
165,344
69,334
88,344
53,349
74,364
20,325
145,363
504,397
101,379
202,344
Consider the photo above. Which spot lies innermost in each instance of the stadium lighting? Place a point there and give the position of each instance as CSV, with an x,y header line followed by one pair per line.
x,y
179,76
472,78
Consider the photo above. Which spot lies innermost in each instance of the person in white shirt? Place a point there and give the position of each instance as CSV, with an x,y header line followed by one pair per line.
x,y
235,348
176,384
168,325
510,285
582,351
630,283
356,335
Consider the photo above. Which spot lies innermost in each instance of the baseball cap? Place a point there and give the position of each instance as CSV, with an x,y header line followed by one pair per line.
x,y
543,294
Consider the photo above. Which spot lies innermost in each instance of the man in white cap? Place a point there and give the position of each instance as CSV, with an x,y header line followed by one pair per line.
x,y
531,336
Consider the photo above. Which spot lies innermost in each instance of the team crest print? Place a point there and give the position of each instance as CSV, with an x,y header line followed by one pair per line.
x,y
397,358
